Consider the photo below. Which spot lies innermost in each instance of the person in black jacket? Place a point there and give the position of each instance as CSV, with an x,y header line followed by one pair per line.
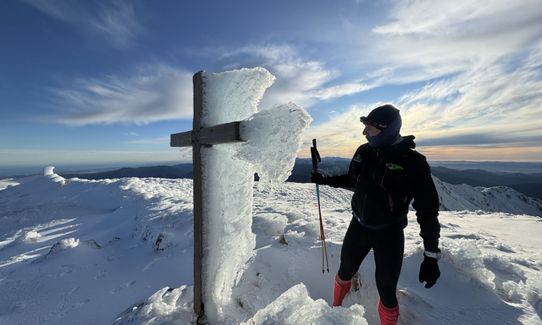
x,y
386,175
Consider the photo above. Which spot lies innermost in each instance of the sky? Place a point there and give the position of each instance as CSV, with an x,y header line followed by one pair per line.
x,y
106,82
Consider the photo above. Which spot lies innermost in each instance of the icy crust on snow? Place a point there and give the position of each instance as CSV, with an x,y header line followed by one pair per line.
x,y
5,183
168,306
295,306
167,218
48,171
273,138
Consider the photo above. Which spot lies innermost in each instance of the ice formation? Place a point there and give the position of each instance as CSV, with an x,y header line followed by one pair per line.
x,y
273,138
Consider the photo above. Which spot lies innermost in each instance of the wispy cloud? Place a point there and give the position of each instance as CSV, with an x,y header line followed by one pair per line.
x,y
500,98
65,11
153,141
426,39
492,105
461,18
116,21
481,65
341,90
299,80
339,136
89,156
151,94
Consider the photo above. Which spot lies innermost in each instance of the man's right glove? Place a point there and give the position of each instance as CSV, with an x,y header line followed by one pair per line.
x,y
317,178
429,271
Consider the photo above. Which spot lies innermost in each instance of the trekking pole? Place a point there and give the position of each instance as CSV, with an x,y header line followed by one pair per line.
x,y
315,159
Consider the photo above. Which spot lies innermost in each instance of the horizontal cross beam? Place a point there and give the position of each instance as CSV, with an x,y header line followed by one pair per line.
x,y
223,133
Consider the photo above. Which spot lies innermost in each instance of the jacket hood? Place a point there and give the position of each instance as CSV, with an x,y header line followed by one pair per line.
x,y
404,143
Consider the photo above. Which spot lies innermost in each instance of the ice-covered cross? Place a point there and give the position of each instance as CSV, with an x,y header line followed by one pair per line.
x,y
226,113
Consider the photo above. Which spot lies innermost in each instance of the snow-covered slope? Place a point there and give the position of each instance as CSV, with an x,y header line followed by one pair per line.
x,y
120,251
493,199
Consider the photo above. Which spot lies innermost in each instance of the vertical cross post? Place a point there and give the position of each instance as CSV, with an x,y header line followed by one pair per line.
x,y
197,193
197,138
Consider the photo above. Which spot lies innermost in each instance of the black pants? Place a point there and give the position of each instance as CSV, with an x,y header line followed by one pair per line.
x,y
388,248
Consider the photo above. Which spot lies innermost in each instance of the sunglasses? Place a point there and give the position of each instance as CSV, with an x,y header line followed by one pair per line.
x,y
366,121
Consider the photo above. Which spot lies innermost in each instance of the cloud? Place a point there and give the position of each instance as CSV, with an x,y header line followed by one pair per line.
x,y
485,66
154,141
426,39
501,98
341,90
152,94
340,136
161,92
299,80
462,17
496,104
484,153
116,21
480,68
89,156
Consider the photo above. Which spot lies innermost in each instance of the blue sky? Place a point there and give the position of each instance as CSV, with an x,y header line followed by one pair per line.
x,y
106,82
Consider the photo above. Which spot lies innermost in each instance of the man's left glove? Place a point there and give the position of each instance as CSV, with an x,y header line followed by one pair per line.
x,y
429,271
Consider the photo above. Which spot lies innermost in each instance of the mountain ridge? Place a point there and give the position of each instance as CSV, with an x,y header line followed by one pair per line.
x,y
529,184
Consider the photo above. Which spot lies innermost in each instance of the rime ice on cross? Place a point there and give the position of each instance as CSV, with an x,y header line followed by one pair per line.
x,y
196,138
224,115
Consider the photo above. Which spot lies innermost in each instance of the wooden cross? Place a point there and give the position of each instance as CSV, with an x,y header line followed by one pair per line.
x,y
198,137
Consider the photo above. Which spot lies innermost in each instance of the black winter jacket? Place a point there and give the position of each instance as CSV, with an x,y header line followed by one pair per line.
x,y
385,181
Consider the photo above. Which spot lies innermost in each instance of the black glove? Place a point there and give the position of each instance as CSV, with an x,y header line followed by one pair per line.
x,y
429,271
317,178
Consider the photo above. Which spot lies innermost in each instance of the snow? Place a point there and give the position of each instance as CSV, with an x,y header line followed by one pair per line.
x,y
133,261
7,182
228,175
49,170
295,306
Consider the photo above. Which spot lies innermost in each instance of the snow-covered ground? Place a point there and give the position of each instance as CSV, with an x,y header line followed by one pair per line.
x,y
120,251
7,182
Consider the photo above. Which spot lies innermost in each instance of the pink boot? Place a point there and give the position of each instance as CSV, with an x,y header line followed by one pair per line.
x,y
388,316
340,290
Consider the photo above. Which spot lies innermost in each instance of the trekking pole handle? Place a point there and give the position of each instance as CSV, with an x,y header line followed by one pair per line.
x,y
315,156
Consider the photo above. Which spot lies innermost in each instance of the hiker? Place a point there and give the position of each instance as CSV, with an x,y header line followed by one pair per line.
x,y
386,174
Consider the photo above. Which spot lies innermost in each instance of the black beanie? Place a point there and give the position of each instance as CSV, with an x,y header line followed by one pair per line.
x,y
388,120
382,115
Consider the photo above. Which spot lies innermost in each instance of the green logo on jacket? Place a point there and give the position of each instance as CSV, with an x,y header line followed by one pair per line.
x,y
392,166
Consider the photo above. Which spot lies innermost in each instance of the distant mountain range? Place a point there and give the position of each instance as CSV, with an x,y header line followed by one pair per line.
x,y
175,171
463,197
529,184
